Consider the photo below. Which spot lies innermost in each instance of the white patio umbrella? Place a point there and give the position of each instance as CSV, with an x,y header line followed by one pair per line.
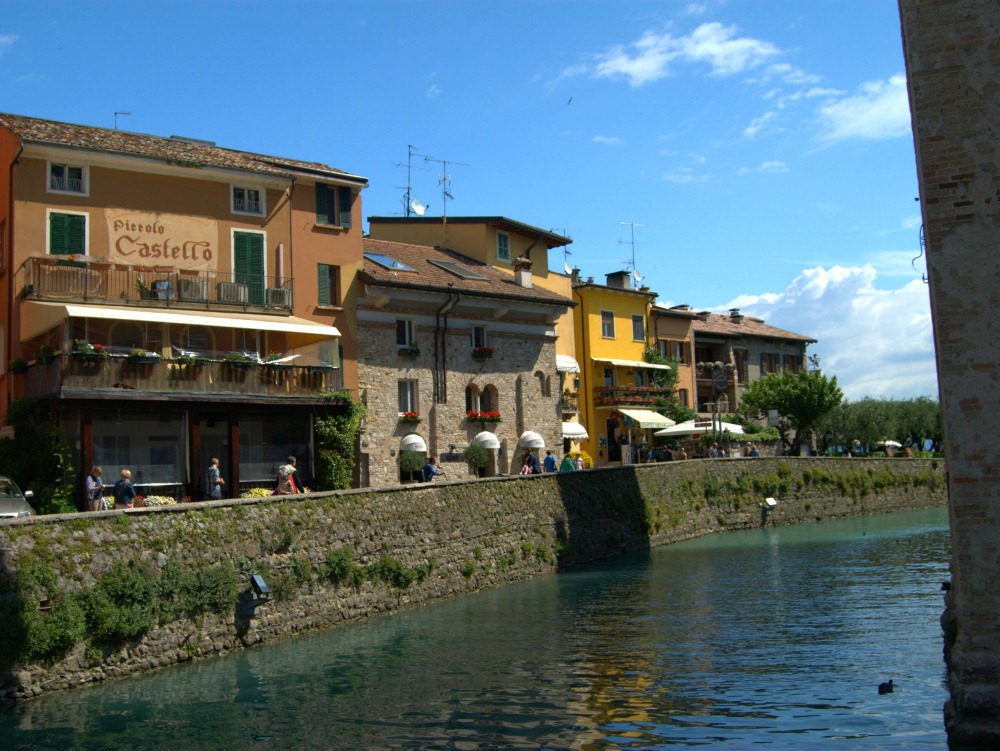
x,y
692,427
889,444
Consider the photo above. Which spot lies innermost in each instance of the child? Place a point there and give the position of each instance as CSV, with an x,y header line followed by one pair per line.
x,y
124,490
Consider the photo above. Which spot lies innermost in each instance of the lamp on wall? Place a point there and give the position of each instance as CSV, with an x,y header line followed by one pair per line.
x,y
260,587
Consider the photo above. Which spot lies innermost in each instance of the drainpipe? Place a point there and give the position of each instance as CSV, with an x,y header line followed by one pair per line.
x,y
440,348
11,272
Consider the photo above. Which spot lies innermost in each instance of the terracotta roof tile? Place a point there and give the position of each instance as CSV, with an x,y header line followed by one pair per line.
x,y
725,325
428,275
171,150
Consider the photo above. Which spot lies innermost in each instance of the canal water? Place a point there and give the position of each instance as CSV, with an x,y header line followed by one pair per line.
x,y
775,638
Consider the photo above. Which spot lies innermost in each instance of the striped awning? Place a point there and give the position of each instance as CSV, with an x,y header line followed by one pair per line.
x,y
575,431
646,419
567,364
631,363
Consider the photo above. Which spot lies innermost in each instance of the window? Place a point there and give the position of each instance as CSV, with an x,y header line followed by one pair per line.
x,y
682,396
607,324
609,377
67,178
404,332
793,363
741,359
407,396
503,246
640,378
674,350
248,264
488,400
67,234
638,329
768,363
471,398
478,336
247,201
328,278
333,205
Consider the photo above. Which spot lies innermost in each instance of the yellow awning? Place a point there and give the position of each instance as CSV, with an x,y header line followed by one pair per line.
x,y
37,317
631,363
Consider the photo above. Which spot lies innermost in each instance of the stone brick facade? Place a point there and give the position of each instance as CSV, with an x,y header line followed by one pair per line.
x,y
521,376
953,64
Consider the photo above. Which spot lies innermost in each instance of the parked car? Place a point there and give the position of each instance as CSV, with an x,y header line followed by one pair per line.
x,y
13,503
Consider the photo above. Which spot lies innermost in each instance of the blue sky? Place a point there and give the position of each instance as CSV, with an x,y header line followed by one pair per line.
x,y
760,150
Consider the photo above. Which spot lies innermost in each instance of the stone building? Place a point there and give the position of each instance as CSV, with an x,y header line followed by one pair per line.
x,y
748,349
952,50
453,352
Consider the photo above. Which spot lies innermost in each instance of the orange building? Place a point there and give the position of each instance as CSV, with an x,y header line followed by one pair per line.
x,y
166,300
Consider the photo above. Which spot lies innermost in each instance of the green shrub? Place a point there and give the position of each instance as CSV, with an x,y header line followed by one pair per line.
x,y
391,571
121,604
475,456
468,568
340,568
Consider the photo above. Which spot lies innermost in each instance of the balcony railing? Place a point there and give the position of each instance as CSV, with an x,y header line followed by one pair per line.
x,y
66,184
72,374
628,395
101,280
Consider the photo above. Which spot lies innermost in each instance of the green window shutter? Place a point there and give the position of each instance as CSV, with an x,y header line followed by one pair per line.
x,y
344,198
248,264
322,204
323,276
67,234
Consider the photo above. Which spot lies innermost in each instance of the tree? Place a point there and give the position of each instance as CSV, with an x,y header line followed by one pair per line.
x,y
868,421
802,399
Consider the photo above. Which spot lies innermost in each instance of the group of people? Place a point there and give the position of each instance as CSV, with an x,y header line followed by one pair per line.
x,y
566,465
123,491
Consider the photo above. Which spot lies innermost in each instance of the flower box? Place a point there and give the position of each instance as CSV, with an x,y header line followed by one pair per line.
x,y
409,351
409,418
482,353
483,417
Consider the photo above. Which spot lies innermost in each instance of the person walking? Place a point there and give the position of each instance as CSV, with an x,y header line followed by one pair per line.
x,y
215,481
534,465
579,462
124,490
567,464
296,479
95,490
550,461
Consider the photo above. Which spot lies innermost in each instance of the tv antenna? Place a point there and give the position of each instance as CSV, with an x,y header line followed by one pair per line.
x,y
411,204
445,181
631,264
116,117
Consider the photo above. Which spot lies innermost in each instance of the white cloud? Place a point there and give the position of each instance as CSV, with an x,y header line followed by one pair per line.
x,y
772,167
685,176
433,91
757,124
613,140
878,342
649,58
7,41
881,109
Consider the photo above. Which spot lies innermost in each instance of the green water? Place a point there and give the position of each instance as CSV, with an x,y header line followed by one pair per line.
x,y
775,638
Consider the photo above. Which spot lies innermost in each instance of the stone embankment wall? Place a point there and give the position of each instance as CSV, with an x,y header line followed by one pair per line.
x,y
338,557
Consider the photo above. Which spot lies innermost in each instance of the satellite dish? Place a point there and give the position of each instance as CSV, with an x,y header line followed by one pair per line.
x,y
418,208
568,269
637,276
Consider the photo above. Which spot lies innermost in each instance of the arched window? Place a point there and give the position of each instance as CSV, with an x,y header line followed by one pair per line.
x,y
488,401
472,398
540,376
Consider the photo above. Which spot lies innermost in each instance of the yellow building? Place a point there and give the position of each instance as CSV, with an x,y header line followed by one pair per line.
x,y
505,243
616,392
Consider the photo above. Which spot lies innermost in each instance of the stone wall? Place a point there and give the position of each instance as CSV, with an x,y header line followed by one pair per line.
x,y
953,69
460,537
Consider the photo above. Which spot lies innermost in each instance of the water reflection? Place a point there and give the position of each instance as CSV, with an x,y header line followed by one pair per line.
x,y
775,637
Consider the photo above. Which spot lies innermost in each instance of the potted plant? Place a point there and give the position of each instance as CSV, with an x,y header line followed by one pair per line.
x,y
191,361
18,365
84,350
273,362
241,360
140,356
483,417
476,457
45,354
411,462
144,290
482,353
411,418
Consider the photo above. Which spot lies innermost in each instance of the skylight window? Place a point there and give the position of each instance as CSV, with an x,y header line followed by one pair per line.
x,y
460,271
390,263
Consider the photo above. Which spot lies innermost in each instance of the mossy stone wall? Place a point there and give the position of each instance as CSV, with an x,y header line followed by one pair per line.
x,y
88,597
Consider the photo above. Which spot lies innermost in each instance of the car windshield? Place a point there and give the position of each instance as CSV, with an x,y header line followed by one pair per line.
x,y
8,489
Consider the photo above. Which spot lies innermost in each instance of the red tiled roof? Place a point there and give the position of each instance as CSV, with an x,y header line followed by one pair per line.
x,y
429,276
191,153
726,325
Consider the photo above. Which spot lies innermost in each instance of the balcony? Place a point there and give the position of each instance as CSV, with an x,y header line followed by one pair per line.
x,y
118,377
628,396
85,278
570,402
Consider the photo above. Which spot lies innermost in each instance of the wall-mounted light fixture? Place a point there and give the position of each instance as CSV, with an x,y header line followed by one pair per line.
x,y
260,587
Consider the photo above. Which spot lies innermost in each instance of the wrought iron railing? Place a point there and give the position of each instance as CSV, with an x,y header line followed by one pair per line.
x,y
628,395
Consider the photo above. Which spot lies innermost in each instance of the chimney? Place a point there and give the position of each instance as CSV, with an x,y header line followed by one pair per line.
x,y
522,272
575,276
735,316
620,280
